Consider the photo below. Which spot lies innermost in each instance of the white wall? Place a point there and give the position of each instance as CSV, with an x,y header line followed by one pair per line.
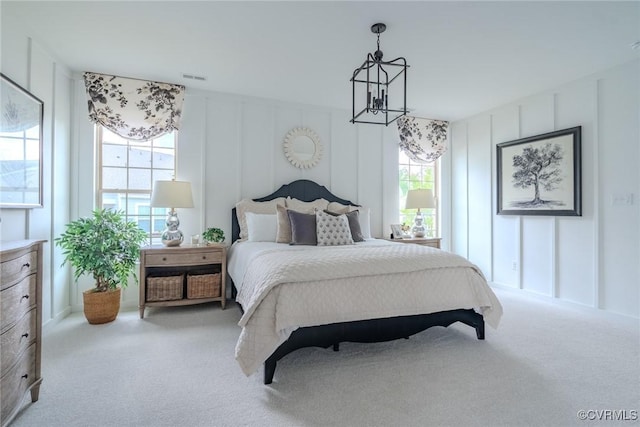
x,y
230,148
591,260
30,65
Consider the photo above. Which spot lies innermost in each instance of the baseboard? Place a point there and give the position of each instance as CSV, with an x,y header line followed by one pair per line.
x,y
558,301
46,326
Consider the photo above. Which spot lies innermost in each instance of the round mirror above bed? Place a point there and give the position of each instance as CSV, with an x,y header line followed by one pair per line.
x,y
302,147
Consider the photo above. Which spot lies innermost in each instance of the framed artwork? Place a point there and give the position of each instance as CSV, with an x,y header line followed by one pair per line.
x,y
20,146
541,175
397,232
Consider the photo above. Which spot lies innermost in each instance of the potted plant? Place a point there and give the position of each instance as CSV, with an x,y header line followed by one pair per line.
x,y
213,235
106,246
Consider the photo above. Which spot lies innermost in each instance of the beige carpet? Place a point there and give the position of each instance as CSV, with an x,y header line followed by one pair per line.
x,y
176,367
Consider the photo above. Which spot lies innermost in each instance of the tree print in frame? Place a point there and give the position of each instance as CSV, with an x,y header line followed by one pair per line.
x,y
541,175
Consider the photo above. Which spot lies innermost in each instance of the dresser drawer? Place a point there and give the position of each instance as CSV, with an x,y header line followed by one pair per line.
x,y
18,268
15,340
17,300
17,381
159,260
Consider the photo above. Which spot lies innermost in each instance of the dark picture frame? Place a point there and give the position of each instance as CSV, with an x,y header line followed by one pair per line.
x,y
21,138
541,174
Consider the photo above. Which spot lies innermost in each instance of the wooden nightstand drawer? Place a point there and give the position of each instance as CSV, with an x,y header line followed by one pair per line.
x,y
159,260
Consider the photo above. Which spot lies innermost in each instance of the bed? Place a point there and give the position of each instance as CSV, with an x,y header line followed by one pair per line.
x,y
371,291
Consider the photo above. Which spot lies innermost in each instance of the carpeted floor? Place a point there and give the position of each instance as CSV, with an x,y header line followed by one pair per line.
x,y
545,362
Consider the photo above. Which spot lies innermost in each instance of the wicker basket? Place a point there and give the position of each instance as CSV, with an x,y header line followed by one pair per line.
x,y
101,307
203,285
164,288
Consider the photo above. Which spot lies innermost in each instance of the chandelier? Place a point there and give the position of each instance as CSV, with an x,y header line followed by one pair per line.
x,y
372,90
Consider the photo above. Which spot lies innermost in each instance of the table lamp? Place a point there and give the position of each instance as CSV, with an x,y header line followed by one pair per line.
x,y
172,194
417,199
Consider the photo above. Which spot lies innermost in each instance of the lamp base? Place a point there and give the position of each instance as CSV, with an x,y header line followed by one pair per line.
x,y
172,236
418,229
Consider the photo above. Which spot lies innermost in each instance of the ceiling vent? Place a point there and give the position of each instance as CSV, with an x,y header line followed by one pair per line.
x,y
193,77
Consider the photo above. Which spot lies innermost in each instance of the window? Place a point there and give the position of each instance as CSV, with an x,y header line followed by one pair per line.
x,y
126,172
412,176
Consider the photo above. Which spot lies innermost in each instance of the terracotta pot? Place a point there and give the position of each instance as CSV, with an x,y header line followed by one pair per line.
x,y
101,307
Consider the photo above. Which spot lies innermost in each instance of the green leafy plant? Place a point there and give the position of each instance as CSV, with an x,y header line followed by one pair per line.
x,y
104,245
214,235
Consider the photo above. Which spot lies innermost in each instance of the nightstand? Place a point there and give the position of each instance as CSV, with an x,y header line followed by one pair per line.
x,y
182,275
434,242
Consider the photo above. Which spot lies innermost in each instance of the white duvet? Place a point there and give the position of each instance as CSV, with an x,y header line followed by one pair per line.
x,y
282,288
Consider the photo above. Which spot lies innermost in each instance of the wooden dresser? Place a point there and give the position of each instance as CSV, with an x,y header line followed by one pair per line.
x,y
20,323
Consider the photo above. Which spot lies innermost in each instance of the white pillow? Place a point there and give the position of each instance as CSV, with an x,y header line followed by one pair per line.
x,y
332,230
365,221
248,205
261,227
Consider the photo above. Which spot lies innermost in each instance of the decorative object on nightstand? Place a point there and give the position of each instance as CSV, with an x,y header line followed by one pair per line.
x,y
106,246
213,235
172,194
397,232
418,199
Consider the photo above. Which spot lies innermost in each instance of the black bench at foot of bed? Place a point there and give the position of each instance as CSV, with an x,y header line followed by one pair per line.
x,y
369,331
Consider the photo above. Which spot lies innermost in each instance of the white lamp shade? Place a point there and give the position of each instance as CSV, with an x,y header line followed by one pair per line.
x,y
418,199
171,194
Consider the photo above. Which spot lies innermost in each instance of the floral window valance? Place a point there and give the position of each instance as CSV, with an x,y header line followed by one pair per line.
x,y
134,109
423,140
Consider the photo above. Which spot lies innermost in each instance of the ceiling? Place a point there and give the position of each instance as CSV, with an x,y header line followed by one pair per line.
x,y
465,57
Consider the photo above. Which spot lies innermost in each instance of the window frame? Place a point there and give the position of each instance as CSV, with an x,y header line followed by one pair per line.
x,y
155,214
432,216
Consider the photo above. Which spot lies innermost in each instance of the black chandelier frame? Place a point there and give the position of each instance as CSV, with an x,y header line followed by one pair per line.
x,y
373,75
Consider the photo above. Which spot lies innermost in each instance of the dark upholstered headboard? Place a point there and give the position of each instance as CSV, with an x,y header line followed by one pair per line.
x,y
302,189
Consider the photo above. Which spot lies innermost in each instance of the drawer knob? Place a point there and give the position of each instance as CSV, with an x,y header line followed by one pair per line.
x,y
164,258
26,264
24,297
25,335
204,257
25,376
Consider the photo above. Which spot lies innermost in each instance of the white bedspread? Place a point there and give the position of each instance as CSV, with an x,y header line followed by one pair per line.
x,y
282,288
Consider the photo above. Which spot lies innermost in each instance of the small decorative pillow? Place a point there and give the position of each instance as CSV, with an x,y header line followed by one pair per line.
x,y
307,207
261,227
248,205
332,230
284,224
363,217
354,224
303,228
283,234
